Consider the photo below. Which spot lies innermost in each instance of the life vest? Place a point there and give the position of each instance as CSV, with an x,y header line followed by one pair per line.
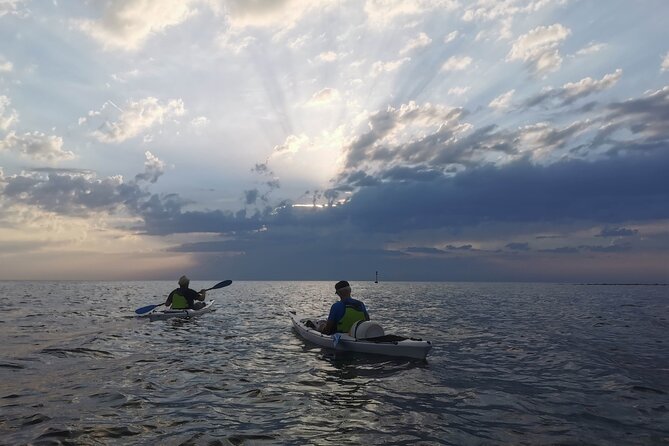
x,y
179,302
352,314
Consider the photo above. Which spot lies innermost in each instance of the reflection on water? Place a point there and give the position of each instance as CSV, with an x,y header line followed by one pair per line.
x,y
512,363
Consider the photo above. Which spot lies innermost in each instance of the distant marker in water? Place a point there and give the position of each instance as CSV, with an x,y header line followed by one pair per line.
x,y
376,280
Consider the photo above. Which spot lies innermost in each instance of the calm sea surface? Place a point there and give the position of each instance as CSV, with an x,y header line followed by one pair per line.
x,y
511,364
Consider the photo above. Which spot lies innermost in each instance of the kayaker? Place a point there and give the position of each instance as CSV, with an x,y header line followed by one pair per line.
x,y
184,297
344,313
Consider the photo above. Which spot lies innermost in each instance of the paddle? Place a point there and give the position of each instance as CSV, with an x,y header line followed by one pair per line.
x,y
146,309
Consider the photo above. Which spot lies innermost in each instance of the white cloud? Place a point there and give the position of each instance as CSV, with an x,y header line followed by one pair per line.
x,y
328,56
126,24
572,91
665,63
324,96
234,41
153,168
270,13
450,37
37,146
456,63
292,145
5,65
200,122
422,40
10,6
137,117
124,77
589,85
381,67
8,117
591,49
488,10
503,101
382,12
458,91
539,47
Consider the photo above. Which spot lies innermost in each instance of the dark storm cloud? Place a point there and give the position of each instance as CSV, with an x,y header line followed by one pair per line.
x,y
425,250
516,246
607,191
617,232
647,118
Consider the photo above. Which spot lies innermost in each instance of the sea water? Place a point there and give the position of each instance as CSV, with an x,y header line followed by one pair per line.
x,y
511,364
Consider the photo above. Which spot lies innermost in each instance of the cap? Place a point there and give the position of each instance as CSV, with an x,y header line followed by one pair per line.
x,y
341,284
183,280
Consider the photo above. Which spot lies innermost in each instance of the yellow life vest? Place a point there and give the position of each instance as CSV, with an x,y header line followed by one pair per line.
x,y
351,316
178,302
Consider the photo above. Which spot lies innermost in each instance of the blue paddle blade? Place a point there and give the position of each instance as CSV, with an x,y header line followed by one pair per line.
x,y
146,309
220,285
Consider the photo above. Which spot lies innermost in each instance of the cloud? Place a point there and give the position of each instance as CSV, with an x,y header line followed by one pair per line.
x,y
503,101
456,63
10,7
292,145
382,12
573,91
66,193
665,63
458,91
590,49
411,134
153,168
285,14
5,65
328,56
127,24
137,117
324,97
200,122
450,37
617,232
539,48
516,246
613,190
646,118
420,41
385,67
36,145
486,10
8,117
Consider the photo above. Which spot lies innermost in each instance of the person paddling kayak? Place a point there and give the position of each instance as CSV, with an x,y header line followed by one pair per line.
x,y
345,313
184,297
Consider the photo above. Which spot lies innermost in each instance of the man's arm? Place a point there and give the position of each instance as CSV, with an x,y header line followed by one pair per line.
x,y
202,294
168,302
330,327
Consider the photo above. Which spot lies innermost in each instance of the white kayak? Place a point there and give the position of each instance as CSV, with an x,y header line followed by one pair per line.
x,y
388,345
159,315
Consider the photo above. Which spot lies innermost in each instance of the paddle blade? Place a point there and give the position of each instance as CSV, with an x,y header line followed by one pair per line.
x,y
220,285
146,309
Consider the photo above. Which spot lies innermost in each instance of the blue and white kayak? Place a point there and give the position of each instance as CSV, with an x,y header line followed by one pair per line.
x,y
159,315
388,345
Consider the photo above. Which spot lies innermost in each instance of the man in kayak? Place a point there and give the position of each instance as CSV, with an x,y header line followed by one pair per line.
x,y
184,297
344,313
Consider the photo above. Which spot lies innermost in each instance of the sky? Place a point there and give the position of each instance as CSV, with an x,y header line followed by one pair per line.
x,y
440,140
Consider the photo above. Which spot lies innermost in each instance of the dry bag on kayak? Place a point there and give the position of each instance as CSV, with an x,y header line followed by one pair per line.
x,y
365,330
